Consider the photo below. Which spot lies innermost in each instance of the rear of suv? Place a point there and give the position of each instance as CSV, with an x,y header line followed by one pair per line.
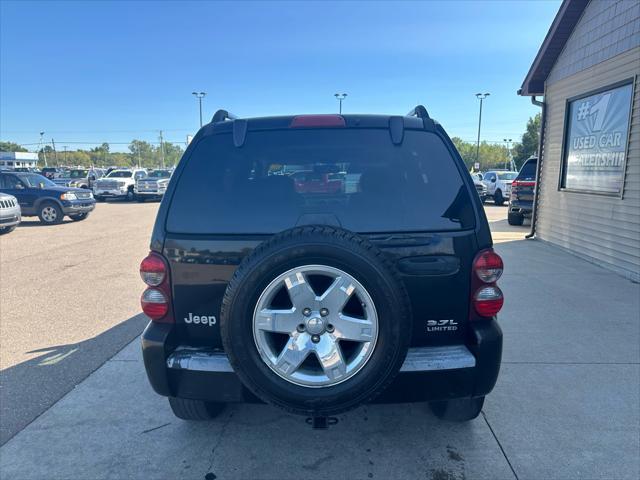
x,y
319,262
522,193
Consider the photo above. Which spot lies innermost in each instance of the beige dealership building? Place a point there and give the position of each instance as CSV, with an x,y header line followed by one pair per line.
x,y
585,78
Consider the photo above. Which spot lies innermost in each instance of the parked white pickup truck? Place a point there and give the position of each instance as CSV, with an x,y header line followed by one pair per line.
x,y
498,184
119,183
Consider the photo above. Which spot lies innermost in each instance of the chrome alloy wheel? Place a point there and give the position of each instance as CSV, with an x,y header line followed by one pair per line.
x,y
49,214
310,338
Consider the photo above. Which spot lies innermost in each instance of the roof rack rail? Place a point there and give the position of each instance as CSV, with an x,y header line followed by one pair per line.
x,y
221,116
420,112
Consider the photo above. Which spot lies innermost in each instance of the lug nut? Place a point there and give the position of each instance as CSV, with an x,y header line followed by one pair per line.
x,y
300,327
330,328
324,312
306,312
315,338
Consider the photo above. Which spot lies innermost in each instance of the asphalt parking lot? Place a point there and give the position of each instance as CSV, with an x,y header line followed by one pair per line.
x,y
69,301
567,402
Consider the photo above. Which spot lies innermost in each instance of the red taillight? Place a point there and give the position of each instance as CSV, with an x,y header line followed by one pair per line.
x,y
488,301
152,270
156,301
522,183
310,121
487,298
488,266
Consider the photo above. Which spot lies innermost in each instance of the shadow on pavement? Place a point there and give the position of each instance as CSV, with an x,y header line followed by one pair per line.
x,y
37,223
31,387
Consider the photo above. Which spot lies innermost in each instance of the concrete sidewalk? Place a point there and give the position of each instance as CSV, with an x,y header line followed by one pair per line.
x,y
567,405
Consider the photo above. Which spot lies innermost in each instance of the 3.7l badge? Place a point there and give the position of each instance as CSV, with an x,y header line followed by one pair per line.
x,y
441,325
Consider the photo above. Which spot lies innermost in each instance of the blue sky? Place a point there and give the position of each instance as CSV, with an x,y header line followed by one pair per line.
x,y
112,71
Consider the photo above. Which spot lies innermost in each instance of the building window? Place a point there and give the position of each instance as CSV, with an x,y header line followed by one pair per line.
x,y
595,140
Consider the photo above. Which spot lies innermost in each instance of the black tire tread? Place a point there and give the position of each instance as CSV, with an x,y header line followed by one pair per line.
x,y
198,410
458,409
60,216
515,219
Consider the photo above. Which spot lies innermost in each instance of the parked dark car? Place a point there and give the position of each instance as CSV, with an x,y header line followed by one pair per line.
x,y
522,193
39,196
320,300
52,172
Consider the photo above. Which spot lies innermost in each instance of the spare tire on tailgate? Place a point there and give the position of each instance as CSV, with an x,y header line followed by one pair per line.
x,y
316,321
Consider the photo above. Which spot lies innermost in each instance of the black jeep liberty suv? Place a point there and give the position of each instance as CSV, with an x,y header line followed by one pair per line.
x,y
319,262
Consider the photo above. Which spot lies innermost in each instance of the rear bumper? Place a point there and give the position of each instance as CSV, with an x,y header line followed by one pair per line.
x,y
429,373
521,207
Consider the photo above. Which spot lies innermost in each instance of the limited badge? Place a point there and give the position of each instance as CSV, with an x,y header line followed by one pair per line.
x,y
441,325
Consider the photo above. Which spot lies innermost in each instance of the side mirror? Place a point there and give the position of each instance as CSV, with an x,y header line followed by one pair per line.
x,y
493,180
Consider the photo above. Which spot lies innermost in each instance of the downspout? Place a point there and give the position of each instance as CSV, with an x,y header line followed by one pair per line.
x,y
543,122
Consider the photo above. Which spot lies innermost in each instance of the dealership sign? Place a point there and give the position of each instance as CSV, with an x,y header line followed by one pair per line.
x,y
596,141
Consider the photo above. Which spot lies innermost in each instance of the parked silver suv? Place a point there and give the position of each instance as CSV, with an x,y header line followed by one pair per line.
x,y
10,215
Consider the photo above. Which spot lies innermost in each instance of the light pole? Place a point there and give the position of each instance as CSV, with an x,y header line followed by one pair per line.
x,y
340,97
199,96
481,97
40,147
508,142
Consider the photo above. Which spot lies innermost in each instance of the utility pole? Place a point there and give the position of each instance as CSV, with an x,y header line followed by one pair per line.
x,y
41,148
55,154
65,154
199,96
481,97
340,97
161,149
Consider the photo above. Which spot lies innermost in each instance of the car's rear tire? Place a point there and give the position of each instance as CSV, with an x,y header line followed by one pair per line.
x,y
79,217
458,410
5,230
498,198
99,199
356,356
50,213
197,410
515,219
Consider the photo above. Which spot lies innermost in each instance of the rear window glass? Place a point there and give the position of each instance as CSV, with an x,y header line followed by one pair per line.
x,y
355,178
528,171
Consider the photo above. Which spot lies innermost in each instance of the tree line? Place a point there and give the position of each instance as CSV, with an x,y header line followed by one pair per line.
x,y
492,156
145,154
141,153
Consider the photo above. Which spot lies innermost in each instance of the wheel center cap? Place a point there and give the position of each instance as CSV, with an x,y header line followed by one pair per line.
x,y
315,325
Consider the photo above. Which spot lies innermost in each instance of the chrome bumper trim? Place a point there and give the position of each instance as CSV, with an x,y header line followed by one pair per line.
x,y
419,359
